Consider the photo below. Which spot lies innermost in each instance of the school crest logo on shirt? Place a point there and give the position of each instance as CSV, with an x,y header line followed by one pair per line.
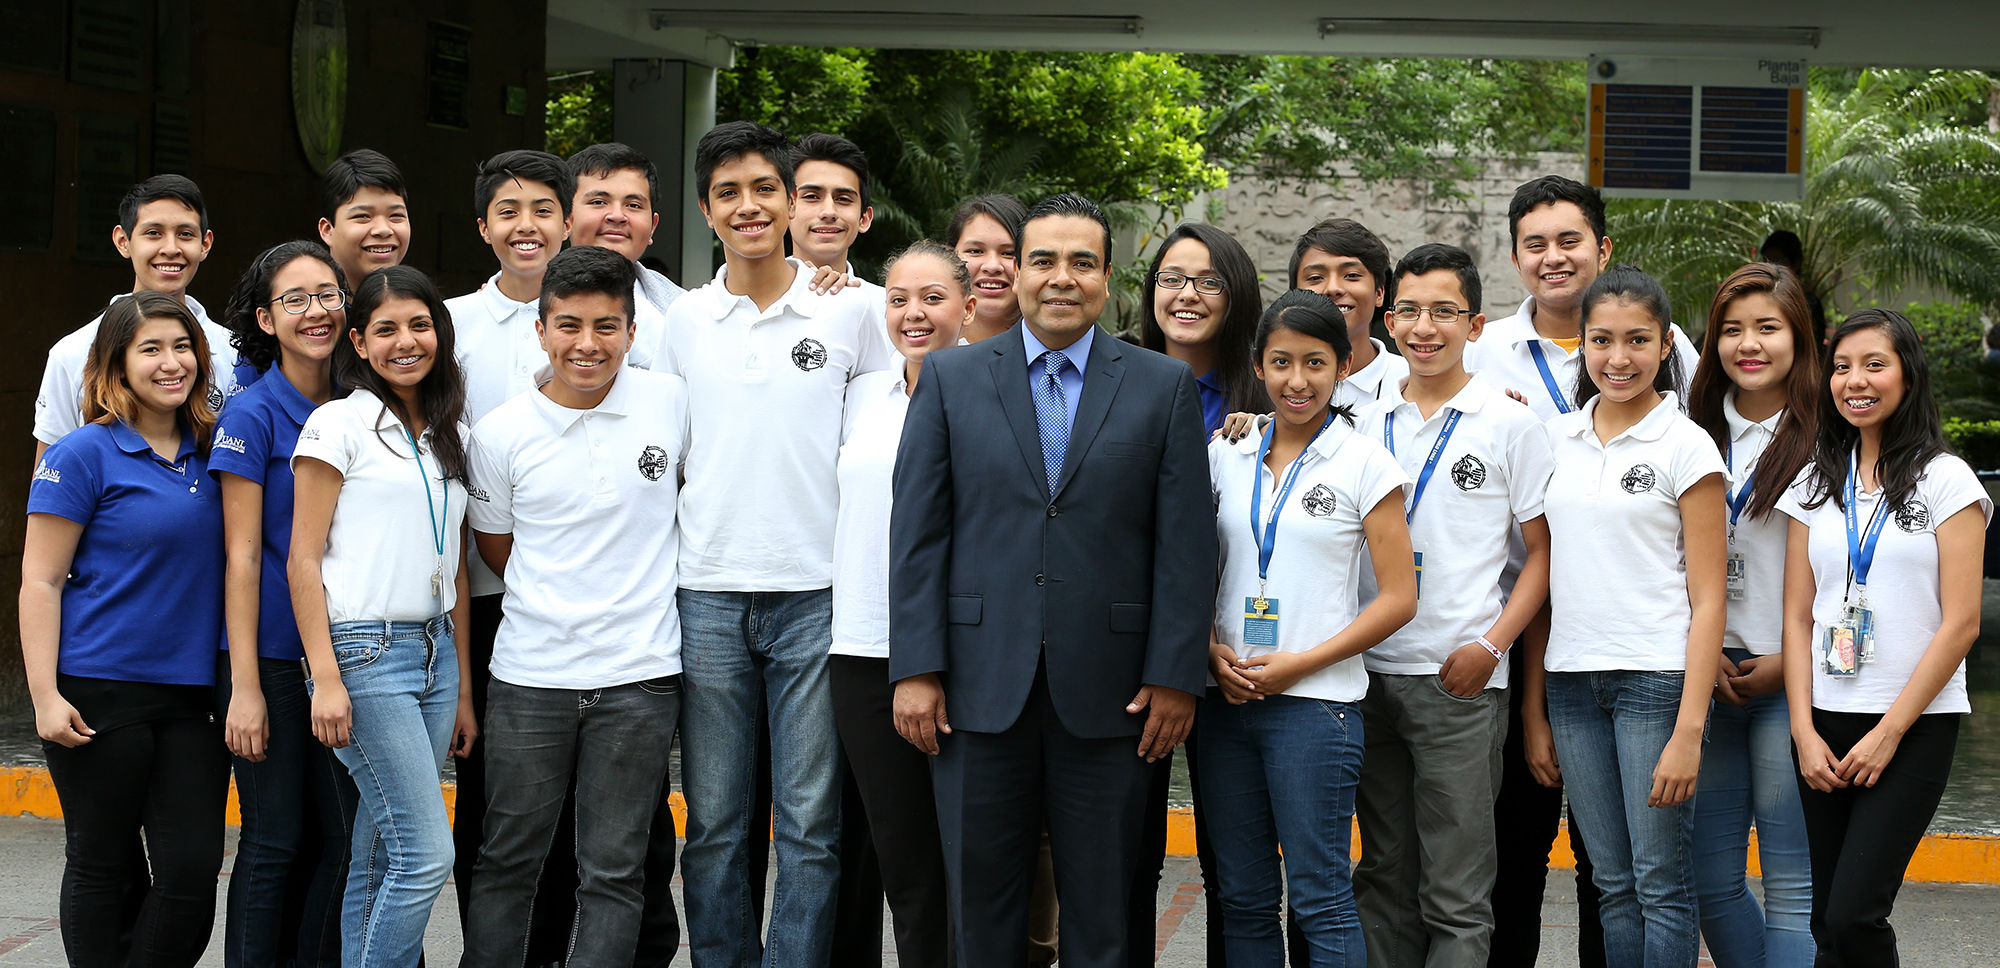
x,y
44,472
809,355
1318,502
309,434
478,493
225,442
1639,479
1469,474
1913,516
215,397
653,461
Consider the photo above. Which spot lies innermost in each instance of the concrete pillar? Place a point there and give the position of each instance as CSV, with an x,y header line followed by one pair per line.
x,y
662,107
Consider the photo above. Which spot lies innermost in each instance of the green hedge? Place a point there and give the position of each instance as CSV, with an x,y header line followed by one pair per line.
x,y
1978,441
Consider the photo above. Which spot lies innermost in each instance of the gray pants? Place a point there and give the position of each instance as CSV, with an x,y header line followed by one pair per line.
x,y
612,743
1425,806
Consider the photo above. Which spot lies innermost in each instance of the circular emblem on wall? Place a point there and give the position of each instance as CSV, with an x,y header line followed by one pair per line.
x,y
319,77
809,355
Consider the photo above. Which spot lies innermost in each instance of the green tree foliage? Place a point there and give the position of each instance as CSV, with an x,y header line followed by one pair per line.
x,y
579,112
1900,191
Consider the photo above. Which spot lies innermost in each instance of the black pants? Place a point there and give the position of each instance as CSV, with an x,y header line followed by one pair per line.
x,y
1525,820
167,779
893,781
1862,838
555,898
1144,923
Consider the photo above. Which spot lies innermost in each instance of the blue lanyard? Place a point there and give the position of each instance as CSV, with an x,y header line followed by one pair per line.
x,y
1741,499
1548,379
1860,551
437,526
1430,463
1267,535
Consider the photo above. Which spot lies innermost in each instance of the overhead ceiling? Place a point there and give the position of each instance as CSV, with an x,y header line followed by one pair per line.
x,y
586,34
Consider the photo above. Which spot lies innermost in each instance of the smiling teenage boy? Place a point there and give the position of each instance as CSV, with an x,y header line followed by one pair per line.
x,y
1343,261
586,667
767,364
163,231
617,207
832,204
365,213
1436,706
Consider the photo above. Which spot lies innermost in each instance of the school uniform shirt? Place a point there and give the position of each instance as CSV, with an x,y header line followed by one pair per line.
x,y
1364,386
765,391
1502,356
652,295
589,498
1314,570
1490,476
254,439
1902,583
143,602
499,353
1757,620
59,405
873,427
1618,591
381,549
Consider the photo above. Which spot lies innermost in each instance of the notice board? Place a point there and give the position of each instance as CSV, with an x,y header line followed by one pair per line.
x,y
1698,127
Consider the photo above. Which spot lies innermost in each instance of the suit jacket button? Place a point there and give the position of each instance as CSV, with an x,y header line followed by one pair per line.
x,y
1040,580
1052,510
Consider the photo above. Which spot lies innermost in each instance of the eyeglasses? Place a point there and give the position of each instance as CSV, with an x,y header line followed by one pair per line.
x,y
298,302
1445,315
1209,285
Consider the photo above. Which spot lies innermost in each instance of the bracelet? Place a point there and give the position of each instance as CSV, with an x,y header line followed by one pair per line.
x,y
1490,647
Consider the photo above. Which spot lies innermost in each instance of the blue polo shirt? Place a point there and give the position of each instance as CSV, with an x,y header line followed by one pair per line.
x,y
1214,399
254,440
143,602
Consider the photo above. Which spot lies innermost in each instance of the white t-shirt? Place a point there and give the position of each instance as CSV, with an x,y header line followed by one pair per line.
x,y
1501,355
499,354
652,294
1313,574
1364,386
589,497
59,406
1617,561
1490,476
1757,620
876,405
381,550
765,390
1902,583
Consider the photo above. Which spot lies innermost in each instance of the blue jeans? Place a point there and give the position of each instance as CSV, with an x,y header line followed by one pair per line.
x,y
1747,773
745,655
402,680
1283,770
298,807
1610,728
612,743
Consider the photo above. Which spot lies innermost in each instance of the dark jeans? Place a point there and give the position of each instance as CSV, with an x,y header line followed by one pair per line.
x,y
893,779
611,746
169,780
555,907
1862,838
298,815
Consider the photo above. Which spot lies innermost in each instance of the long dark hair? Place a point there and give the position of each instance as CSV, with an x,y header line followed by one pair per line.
x,y
253,292
442,392
1792,446
1233,362
1308,313
1911,437
1629,284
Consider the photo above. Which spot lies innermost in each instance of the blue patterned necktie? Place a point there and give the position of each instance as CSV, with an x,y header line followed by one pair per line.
x,y
1052,414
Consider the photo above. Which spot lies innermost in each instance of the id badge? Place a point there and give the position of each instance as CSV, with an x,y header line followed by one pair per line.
x,y
1839,657
1736,578
1260,622
1420,575
1861,619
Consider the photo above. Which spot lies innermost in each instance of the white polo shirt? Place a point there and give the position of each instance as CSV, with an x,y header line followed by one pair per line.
x,y
499,353
876,405
652,294
1501,354
59,405
1364,386
381,548
1618,592
1314,570
589,498
1757,620
1902,583
1490,476
765,391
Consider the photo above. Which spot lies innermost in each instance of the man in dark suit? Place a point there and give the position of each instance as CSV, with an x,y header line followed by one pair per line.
x,y
1053,573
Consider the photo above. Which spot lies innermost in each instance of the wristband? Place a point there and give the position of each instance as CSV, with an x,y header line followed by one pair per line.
x,y
1490,647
